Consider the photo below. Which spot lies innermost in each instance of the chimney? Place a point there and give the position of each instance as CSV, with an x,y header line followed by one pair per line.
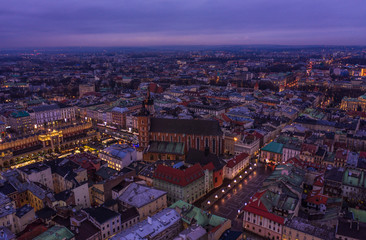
x,y
207,151
149,220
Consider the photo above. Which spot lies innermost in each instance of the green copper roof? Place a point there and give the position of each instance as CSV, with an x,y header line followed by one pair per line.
x,y
167,147
202,218
19,114
359,214
273,147
354,178
55,233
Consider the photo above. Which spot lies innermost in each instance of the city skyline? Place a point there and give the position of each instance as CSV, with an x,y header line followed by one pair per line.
x,y
159,23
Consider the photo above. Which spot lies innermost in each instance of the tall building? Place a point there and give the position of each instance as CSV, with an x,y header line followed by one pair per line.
x,y
197,134
118,156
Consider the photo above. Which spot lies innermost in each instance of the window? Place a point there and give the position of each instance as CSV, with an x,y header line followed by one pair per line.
x,y
198,143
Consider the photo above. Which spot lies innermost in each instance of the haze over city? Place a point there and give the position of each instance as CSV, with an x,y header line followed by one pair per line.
x,y
44,23
182,120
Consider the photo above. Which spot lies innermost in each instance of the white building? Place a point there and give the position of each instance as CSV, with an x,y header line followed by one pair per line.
x,y
246,146
108,221
81,195
37,172
51,112
118,156
163,225
236,165
7,211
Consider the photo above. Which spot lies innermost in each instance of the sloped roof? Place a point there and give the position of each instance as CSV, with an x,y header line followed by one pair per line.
x,y
166,147
138,195
101,214
256,206
186,126
273,147
56,233
189,212
204,158
236,160
178,176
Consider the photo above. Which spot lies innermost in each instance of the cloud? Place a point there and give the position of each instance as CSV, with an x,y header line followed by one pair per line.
x,y
167,22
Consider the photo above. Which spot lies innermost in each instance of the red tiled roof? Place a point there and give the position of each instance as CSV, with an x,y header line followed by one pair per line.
x,y
311,148
362,154
177,176
258,135
226,118
341,154
256,206
209,166
316,198
303,164
237,159
319,181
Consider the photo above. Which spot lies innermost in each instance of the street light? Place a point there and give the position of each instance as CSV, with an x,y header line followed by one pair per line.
x,y
223,190
255,164
241,176
250,168
235,181
229,186
208,202
245,172
216,196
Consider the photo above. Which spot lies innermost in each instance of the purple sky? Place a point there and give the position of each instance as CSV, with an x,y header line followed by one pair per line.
x,y
37,23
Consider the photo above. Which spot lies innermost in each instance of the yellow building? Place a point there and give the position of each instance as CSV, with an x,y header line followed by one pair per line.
x,y
146,200
354,104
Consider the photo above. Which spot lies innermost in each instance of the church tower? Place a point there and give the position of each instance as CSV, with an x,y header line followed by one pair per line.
x,y
143,125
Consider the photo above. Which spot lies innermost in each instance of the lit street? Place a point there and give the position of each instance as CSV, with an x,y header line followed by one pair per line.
x,y
236,198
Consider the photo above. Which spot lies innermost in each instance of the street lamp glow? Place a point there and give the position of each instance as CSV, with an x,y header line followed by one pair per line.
x,y
255,164
208,202
241,176
246,172
229,185
250,168
235,181
223,190
238,211
216,196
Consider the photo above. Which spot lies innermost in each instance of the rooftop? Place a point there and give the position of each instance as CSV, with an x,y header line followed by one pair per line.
x,y
56,233
150,227
273,147
305,226
178,176
138,195
186,126
101,214
166,147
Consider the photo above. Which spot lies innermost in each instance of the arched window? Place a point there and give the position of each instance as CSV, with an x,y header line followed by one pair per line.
x,y
198,143
214,145
206,144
